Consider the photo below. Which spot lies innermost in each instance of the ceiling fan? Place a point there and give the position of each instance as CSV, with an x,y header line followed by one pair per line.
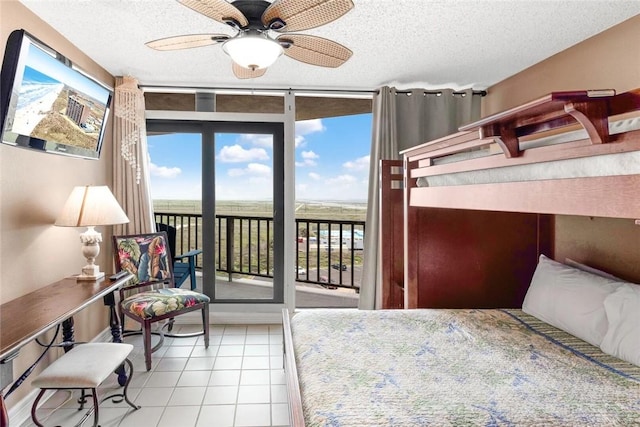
x,y
253,48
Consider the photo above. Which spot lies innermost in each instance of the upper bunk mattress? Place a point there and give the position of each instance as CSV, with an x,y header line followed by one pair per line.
x,y
603,165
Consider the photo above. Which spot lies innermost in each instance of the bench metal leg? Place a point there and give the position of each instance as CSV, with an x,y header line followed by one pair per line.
x,y
116,398
33,408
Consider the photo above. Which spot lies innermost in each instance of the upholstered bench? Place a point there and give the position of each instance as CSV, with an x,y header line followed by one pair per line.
x,y
84,367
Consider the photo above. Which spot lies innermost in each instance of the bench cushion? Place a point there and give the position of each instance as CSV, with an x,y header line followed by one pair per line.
x,y
148,305
84,366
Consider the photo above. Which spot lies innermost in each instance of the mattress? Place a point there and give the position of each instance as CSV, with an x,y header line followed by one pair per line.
x,y
604,165
455,367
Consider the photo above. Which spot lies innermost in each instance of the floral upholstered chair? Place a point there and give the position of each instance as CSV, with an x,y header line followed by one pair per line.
x,y
155,297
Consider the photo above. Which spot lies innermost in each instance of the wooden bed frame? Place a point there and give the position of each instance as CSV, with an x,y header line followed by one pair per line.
x,y
510,223
493,232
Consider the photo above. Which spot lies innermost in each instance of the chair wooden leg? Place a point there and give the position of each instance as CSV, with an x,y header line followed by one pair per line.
x,y
146,326
192,274
205,324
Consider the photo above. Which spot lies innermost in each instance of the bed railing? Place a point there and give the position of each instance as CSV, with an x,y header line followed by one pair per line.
x,y
296,415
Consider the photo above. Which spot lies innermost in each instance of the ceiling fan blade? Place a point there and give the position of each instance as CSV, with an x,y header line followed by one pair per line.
x,y
247,73
219,10
299,15
186,41
315,50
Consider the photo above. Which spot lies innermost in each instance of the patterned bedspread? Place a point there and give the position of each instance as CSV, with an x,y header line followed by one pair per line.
x,y
454,367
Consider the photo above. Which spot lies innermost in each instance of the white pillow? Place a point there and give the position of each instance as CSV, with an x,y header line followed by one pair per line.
x,y
623,336
589,269
570,299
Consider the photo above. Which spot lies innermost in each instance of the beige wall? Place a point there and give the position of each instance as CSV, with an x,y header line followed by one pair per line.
x,y
609,60
33,188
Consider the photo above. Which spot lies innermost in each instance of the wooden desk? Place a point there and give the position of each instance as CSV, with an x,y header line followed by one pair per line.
x,y
26,317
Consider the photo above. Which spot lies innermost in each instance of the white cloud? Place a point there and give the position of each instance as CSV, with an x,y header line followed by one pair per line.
x,y
314,176
237,154
309,159
252,169
164,171
359,164
265,141
254,182
305,127
309,155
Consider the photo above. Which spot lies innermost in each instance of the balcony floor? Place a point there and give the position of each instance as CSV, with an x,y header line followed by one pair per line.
x,y
307,295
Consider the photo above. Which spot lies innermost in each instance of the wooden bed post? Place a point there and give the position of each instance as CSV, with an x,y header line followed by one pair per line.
x,y
410,240
391,233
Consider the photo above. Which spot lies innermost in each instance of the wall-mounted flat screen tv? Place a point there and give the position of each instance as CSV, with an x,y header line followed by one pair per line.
x,y
47,104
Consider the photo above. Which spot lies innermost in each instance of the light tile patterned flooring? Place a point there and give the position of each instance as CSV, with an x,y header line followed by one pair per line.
x,y
237,381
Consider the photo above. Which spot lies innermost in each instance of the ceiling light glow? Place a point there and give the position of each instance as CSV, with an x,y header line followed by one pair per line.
x,y
253,51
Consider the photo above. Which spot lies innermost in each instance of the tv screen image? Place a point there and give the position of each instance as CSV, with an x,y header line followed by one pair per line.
x,y
51,106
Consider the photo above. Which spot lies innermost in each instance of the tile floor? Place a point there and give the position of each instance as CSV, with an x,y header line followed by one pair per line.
x,y
237,381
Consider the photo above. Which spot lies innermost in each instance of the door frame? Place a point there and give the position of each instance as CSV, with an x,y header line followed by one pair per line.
x,y
276,129
251,312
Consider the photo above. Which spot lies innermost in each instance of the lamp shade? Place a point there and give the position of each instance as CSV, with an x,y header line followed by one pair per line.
x,y
90,206
253,51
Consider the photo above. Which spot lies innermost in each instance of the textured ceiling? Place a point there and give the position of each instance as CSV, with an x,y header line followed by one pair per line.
x,y
405,43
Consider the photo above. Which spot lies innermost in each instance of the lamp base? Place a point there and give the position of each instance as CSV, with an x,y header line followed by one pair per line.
x,y
88,278
90,272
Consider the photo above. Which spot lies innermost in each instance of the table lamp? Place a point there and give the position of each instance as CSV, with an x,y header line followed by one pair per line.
x,y
90,206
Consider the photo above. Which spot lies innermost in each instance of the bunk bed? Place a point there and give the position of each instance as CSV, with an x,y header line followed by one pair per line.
x,y
477,218
501,182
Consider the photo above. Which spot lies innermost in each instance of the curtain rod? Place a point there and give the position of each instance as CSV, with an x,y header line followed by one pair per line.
x,y
336,91
240,89
439,92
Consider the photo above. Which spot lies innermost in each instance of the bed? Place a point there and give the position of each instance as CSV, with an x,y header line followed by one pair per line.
x,y
569,357
477,214
454,367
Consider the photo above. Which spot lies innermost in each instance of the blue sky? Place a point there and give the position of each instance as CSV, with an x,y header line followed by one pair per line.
x,y
332,163
45,63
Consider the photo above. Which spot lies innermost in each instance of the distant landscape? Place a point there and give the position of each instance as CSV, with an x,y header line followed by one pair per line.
x,y
351,211
319,249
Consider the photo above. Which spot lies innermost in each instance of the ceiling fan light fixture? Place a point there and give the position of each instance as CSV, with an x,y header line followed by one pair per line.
x,y
253,51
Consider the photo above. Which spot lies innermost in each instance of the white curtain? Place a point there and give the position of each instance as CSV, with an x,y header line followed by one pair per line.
x,y
131,158
401,120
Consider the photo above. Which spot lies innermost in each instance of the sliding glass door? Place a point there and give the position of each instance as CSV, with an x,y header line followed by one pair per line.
x,y
241,202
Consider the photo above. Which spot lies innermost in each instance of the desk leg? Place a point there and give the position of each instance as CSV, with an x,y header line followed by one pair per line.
x,y
114,320
116,332
4,417
67,333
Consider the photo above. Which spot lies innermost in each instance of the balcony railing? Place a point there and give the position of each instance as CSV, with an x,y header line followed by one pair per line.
x,y
329,252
